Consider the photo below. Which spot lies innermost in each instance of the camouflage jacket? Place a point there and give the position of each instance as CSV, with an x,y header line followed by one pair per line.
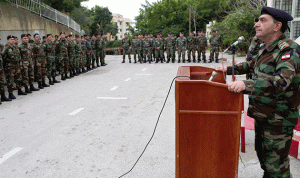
x,y
126,43
11,54
159,43
88,45
62,48
191,41
274,91
253,49
50,49
1,48
202,41
98,44
215,41
1,63
78,48
170,42
38,50
93,42
181,42
25,52
146,43
103,42
71,49
83,47
136,43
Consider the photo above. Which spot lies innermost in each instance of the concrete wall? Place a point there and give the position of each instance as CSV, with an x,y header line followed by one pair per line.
x,y
16,21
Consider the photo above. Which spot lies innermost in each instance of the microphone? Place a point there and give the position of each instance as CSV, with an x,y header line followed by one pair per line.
x,y
241,39
213,76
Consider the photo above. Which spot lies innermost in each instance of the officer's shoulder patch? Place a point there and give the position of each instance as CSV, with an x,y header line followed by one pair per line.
x,y
283,45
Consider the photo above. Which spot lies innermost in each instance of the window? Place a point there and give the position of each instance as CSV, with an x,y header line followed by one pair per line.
x,y
127,24
287,32
120,30
298,9
277,4
296,29
121,23
287,6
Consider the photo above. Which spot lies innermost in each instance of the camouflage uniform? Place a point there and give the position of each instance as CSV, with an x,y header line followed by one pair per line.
x,y
181,44
202,44
141,54
62,54
89,48
83,59
2,76
71,54
93,52
78,56
136,46
274,98
170,44
191,43
252,51
126,44
147,49
39,57
159,43
50,58
103,52
11,59
152,49
215,43
27,63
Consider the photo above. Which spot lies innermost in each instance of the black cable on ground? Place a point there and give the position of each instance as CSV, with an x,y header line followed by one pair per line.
x,y
154,127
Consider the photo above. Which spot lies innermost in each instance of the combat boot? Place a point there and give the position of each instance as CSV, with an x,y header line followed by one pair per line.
x,y
129,60
20,92
199,60
55,81
217,60
103,64
156,61
50,82
162,60
123,61
11,96
98,65
168,60
173,60
40,85
32,88
4,98
71,74
44,83
27,90
83,70
134,60
194,60
204,61
66,76
178,60
210,61
183,61
189,60
63,77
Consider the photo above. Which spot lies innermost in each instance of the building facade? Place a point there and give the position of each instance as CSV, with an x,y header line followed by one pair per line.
x,y
293,8
123,25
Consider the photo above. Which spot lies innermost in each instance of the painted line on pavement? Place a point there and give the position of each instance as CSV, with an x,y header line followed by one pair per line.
x,y
112,98
114,88
127,79
143,74
76,111
144,69
10,154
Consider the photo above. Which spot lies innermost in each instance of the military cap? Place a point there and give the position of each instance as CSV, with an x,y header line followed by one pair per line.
x,y
28,34
76,36
62,33
170,33
9,37
48,35
181,33
279,15
24,35
35,34
44,37
70,35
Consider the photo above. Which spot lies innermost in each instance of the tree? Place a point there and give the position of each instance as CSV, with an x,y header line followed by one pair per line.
x,y
64,5
82,16
101,20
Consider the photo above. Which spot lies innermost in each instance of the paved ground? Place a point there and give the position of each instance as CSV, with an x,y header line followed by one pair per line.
x,y
73,130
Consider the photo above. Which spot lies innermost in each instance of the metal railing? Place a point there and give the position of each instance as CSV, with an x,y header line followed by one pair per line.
x,y
47,12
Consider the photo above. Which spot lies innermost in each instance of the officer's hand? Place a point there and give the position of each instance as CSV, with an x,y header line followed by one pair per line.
x,y
221,68
21,68
38,64
237,86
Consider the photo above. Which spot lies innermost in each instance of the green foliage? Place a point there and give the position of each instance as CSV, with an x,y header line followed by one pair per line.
x,y
238,24
64,5
114,43
101,20
81,16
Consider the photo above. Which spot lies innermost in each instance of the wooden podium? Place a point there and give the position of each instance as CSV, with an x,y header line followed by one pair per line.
x,y
208,122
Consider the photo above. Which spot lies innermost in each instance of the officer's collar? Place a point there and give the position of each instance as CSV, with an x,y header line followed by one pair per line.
x,y
275,43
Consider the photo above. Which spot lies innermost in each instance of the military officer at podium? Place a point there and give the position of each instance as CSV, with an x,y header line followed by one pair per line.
x,y
274,91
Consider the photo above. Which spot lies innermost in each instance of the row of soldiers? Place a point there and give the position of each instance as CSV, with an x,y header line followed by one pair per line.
x,y
33,60
152,49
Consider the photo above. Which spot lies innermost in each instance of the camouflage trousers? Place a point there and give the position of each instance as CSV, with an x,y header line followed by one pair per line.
x,y
170,53
135,53
141,55
192,51
146,53
272,145
51,68
153,53
128,52
77,62
40,71
2,80
27,73
71,62
98,56
201,51
94,57
102,53
83,61
88,59
159,53
64,64
181,52
13,75
214,52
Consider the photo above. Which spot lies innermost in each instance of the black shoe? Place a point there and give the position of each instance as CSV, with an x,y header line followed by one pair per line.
x,y
168,61
55,81
129,60
98,65
217,60
173,61
123,61
198,61
149,61
103,64
20,92
178,61
44,84
83,70
40,85
51,82
32,88
135,61
183,61
71,74
11,96
204,61
27,90
93,66
210,61
63,77
188,60
194,60
4,98
67,77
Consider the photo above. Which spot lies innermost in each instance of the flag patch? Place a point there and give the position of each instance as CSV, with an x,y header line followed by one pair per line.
x,y
286,56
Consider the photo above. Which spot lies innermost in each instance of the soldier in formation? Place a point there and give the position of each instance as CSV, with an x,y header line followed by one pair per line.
x,y
215,43
126,44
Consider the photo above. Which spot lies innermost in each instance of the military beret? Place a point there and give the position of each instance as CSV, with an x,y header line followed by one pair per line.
x,y
279,15
44,37
97,34
170,33
76,36
23,35
48,35
9,37
35,34
70,35
87,35
62,33
56,36
82,36
28,34
181,33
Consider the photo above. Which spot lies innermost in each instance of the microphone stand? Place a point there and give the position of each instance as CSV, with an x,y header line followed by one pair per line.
x,y
232,48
